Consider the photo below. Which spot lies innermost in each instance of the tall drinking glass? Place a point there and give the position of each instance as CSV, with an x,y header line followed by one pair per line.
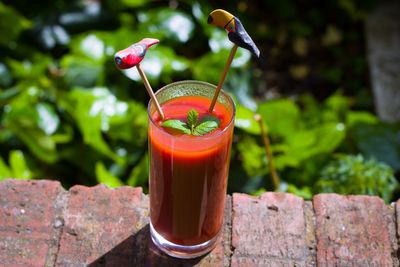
x,y
188,174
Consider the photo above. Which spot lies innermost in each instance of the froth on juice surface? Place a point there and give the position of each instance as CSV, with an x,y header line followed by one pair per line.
x,y
188,174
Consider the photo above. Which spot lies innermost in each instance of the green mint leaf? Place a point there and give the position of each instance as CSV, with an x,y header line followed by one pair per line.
x,y
208,124
177,125
192,118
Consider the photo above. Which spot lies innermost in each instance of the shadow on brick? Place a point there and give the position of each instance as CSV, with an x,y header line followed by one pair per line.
x,y
139,250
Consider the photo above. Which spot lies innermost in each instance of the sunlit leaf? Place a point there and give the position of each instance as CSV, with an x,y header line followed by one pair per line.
x,y
304,192
282,116
28,119
97,111
130,126
169,23
253,156
133,3
18,165
88,109
360,117
5,172
90,46
328,137
105,177
245,120
47,118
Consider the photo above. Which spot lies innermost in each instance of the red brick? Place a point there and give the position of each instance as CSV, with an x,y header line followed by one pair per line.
x,y
109,227
30,212
353,231
102,226
269,230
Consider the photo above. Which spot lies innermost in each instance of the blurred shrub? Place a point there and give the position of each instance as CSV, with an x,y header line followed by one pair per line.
x,y
350,174
67,113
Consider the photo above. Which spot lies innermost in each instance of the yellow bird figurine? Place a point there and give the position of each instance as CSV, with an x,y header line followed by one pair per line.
x,y
236,32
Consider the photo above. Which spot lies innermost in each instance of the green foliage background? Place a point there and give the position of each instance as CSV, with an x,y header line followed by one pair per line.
x,y
67,113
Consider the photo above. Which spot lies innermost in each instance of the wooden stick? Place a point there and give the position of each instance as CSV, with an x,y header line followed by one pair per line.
x,y
222,79
271,163
150,91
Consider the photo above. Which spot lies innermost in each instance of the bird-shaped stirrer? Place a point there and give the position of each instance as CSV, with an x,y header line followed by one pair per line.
x,y
237,35
132,56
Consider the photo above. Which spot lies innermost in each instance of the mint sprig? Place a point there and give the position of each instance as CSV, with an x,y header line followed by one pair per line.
x,y
192,126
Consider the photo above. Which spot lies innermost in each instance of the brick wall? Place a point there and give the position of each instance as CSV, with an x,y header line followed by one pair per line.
x,y
41,224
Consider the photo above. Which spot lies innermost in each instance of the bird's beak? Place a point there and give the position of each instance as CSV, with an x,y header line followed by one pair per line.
x,y
221,18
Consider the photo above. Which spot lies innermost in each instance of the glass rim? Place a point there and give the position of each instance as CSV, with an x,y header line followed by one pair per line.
x,y
231,102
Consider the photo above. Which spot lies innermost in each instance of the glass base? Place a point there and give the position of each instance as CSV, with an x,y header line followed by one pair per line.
x,y
180,251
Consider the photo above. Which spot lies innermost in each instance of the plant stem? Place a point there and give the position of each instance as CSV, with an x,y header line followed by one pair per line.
x,y
270,156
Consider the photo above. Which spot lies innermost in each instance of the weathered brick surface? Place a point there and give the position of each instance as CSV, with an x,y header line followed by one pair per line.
x,y
220,256
102,226
109,227
41,224
269,230
353,231
30,217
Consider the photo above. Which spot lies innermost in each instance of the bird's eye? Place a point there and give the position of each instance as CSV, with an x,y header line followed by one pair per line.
x,y
118,60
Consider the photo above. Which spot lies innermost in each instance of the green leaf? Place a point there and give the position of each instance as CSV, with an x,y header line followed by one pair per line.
x,y
105,177
360,117
168,23
304,192
18,165
133,3
93,111
282,116
253,156
129,126
176,125
89,46
192,118
205,126
380,141
5,172
210,118
244,120
328,137
33,123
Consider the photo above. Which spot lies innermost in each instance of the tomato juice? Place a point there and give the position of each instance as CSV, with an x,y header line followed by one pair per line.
x,y
188,174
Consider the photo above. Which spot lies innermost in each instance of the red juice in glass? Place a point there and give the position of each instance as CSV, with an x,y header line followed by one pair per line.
x,y
188,174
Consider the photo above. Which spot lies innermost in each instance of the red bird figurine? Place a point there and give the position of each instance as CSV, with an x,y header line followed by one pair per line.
x,y
134,54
